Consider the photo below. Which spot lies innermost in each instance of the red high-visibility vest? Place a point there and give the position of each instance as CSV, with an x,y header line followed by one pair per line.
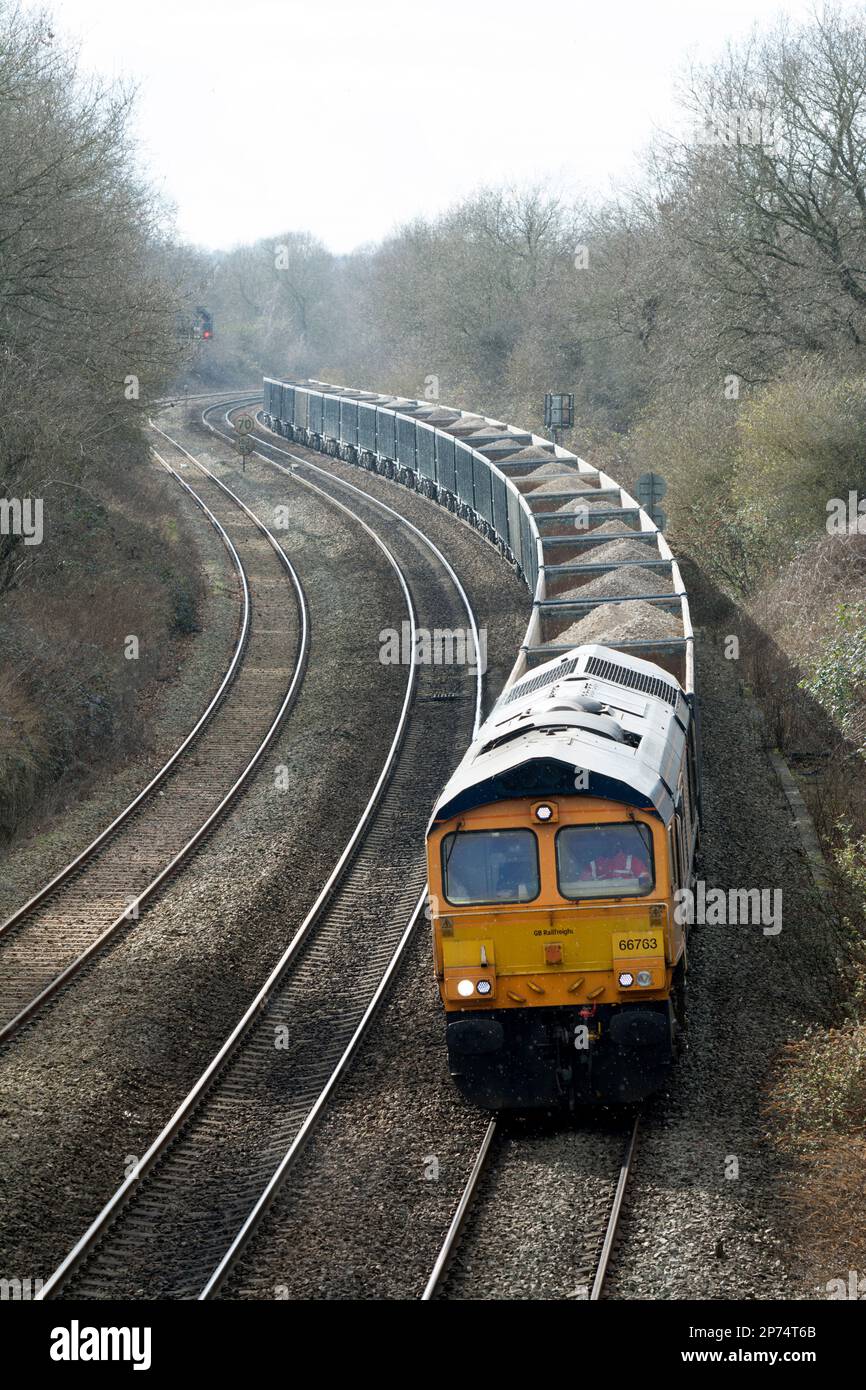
x,y
615,866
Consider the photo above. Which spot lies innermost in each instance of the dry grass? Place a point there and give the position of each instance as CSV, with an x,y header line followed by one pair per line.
x,y
823,1202
780,635
818,1115
71,703
794,607
816,1104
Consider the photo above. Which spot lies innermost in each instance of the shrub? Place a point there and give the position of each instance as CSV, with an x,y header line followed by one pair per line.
x,y
822,1090
837,678
801,442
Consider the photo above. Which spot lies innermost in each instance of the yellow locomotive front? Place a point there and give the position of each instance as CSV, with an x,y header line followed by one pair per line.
x,y
557,948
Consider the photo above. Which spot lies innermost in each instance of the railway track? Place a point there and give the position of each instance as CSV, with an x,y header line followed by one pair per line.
x,y
589,1241
268,451
100,894
594,1232
178,1223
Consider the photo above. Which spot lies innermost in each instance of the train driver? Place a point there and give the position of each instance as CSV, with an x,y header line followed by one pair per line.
x,y
606,855
615,856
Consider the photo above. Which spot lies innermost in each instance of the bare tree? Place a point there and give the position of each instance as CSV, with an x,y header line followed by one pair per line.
x,y
87,314
768,196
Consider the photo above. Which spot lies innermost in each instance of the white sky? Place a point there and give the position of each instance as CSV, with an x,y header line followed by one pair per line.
x,y
419,102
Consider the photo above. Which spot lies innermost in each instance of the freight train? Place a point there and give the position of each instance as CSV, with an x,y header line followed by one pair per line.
x,y
557,848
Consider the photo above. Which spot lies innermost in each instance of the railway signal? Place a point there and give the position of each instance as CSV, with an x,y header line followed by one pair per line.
x,y
558,412
650,489
197,328
203,327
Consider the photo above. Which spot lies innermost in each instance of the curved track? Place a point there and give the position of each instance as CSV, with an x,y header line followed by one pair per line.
x,y
267,451
100,894
177,1224
595,1227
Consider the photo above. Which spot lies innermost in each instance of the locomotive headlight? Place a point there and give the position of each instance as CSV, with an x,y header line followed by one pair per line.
x,y
465,988
626,979
644,977
484,986
543,812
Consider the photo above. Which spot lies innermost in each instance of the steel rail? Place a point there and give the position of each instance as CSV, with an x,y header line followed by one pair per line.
x,y
383,507
452,1237
613,1218
453,1233
454,1230
203,830
458,1220
269,1193
188,397
201,723
185,1111
63,977
217,1279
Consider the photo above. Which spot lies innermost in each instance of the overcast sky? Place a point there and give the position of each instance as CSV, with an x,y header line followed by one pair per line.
x,y
347,117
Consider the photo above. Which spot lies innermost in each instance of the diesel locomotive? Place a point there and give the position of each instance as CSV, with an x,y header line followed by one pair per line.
x,y
554,855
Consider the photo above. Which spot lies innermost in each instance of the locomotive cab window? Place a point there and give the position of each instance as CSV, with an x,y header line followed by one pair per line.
x,y
605,861
490,866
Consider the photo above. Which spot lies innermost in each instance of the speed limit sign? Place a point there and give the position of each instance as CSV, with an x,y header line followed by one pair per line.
x,y
245,424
